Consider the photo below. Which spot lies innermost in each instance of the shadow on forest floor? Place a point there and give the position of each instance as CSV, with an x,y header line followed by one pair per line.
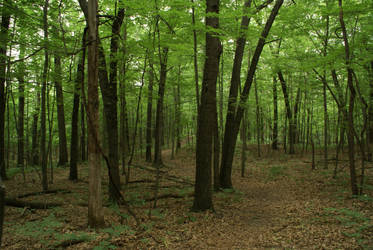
x,y
281,203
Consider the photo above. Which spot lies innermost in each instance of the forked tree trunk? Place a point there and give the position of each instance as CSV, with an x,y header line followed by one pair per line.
x,y
233,123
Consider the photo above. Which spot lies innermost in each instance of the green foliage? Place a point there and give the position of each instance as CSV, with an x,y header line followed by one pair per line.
x,y
275,172
356,224
39,229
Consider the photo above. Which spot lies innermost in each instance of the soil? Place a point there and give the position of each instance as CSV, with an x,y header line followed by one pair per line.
x,y
280,204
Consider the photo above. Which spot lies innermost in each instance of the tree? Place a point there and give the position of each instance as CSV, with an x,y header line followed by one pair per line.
x,y
235,114
95,211
63,158
5,20
207,111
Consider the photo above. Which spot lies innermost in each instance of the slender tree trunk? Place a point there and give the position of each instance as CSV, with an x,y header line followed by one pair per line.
x,y
159,115
244,144
35,134
83,146
149,113
195,56
43,100
275,116
78,89
207,113
5,20
350,118
21,114
233,123
258,125
63,158
289,113
178,112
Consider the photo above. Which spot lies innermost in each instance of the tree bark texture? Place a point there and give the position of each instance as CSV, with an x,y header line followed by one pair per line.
x,y
43,129
207,113
95,210
5,20
275,117
79,87
63,156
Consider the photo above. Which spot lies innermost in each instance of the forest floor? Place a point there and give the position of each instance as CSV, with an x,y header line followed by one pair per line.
x,y
281,203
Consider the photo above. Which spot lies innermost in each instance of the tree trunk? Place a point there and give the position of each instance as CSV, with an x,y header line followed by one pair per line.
x,y
195,57
350,118
5,20
95,211
233,123
289,113
178,112
159,115
83,146
63,158
207,113
35,134
275,116
43,100
110,97
257,113
79,88
21,113
149,112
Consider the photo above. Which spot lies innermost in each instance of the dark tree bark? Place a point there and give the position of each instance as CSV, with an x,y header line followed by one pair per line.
x,y
79,87
5,20
275,116
158,133
289,113
149,112
350,131
110,98
35,134
43,130
234,115
21,113
207,113
63,157
2,208
83,146
258,115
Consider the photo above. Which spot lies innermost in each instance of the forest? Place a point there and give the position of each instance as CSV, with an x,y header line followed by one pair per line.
x,y
186,124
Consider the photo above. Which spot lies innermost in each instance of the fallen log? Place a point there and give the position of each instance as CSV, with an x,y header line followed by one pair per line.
x,y
33,205
44,192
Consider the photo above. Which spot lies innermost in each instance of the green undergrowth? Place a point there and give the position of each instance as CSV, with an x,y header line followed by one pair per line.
x,y
47,232
356,224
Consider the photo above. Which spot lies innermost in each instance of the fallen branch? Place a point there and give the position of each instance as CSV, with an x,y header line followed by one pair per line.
x,y
33,205
44,192
68,243
166,175
166,196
